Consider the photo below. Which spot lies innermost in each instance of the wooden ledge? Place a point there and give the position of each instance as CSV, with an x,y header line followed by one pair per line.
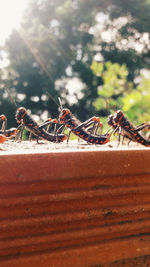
x,y
69,208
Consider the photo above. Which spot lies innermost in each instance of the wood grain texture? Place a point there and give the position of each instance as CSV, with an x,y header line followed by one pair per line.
x,y
75,209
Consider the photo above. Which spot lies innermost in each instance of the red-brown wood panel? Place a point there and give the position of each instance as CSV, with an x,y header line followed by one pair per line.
x,y
75,209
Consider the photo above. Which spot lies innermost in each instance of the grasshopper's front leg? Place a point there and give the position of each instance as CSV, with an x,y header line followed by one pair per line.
x,y
19,133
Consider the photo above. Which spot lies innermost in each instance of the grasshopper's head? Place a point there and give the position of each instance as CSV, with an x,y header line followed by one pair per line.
x,y
118,117
20,114
65,115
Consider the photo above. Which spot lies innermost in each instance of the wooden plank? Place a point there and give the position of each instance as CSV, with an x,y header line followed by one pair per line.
x,y
77,208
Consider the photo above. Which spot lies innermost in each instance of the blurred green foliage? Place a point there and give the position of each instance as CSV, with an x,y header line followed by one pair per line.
x,y
117,92
137,103
102,44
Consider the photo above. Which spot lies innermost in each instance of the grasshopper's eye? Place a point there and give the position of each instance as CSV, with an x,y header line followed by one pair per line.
x,y
120,113
22,110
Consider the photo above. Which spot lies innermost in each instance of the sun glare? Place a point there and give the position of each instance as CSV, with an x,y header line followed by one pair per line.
x,y
10,16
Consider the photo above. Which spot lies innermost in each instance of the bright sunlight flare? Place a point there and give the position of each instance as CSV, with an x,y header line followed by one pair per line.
x,y
10,16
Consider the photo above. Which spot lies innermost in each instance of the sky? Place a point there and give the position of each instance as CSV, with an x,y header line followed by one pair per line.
x,y
11,12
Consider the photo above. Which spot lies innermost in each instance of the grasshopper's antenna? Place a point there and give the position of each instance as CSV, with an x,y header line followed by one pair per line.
x,y
61,107
11,98
52,98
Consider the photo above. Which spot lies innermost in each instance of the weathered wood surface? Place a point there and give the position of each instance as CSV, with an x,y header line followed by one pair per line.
x,y
75,209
